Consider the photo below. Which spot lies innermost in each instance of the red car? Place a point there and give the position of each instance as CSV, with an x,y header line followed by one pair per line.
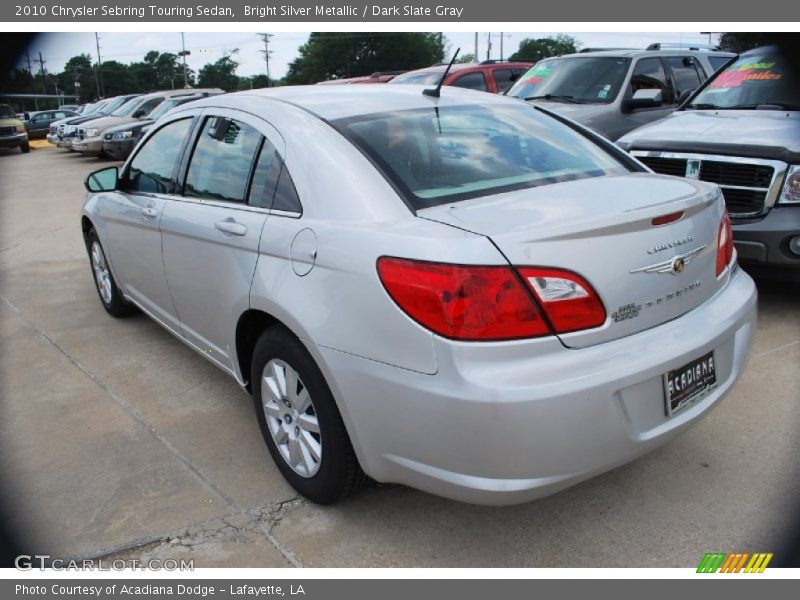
x,y
489,76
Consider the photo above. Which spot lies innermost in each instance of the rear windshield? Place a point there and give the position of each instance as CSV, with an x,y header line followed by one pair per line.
x,y
435,156
583,79
754,80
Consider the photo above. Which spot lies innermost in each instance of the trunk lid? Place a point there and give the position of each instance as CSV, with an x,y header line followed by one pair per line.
x,y
602,229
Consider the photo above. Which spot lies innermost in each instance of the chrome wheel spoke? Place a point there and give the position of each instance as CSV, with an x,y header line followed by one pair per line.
x,y
311,445
303,401
280,436
272,410
290,379
309,423
295,454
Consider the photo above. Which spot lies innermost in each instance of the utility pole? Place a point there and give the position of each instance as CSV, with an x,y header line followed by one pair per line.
x,y
476,46
489,46
184,53
266,52
503,35
97,73
28,58
41,62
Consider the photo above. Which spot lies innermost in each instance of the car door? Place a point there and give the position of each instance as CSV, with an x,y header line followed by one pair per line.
x,y
132,218
40,122
210,234
648,73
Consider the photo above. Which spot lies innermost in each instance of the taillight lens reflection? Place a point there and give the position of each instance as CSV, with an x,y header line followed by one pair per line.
x,y
463,302
724,244
569,302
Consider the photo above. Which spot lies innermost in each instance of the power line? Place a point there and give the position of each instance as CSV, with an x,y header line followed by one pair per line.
x,y
41,62
97,75
266,52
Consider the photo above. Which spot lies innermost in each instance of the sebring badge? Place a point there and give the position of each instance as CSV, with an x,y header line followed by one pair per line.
x,y
674,265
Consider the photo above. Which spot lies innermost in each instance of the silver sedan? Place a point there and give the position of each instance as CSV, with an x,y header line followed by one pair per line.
x,y
464,294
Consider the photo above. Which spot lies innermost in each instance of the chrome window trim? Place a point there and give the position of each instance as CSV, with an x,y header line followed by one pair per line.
x,y
773,190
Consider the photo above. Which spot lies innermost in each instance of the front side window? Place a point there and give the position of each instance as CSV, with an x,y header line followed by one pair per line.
x,y
460,152
586,80
685,73
221,162
649,74
152,168
471,81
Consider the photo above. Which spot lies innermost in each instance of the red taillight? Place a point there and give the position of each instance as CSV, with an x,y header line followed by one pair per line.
x,y
569,302
463,302
666,219
724,244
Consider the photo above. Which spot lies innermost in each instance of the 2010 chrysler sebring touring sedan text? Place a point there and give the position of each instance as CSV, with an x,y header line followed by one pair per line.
x,y
464,294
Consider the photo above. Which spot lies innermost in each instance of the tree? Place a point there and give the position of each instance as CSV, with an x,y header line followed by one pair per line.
x,y
537,49
741,42
118,79
466,58
78,70
221,74
338,55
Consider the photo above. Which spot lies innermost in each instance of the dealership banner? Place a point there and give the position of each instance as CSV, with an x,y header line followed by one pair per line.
x,y
390,589
467,11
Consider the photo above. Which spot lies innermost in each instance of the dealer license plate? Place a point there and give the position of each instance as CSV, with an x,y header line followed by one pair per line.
x,y
686,385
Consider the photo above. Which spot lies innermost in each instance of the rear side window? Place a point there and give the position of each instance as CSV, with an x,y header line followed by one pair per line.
x,y
472,81
285,194
221,161
265,177
685,73
649,75
459,152
152,168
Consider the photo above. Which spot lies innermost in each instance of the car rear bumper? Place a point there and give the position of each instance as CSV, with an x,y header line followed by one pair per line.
x,y
508,423
119,150
766,241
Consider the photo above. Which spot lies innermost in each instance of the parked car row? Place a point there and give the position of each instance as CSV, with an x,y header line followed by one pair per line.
x,y
113,126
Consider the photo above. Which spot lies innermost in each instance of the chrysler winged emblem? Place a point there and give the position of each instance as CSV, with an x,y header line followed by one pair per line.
x,y
672,266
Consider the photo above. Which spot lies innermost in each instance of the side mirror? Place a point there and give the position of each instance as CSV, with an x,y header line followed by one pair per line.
x,y
104,180
644,99
685,95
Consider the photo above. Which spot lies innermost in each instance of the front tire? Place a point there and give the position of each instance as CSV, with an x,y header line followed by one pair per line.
x,y
107,289
25,147
300,422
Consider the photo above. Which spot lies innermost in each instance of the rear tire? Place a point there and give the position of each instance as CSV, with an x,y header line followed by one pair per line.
x,y
26,147
300,422
104,283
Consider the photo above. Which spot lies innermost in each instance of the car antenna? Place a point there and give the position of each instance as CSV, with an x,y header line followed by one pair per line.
x,y
435,92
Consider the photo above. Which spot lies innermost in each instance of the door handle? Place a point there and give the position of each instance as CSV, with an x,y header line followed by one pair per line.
x,y
232,227
150,212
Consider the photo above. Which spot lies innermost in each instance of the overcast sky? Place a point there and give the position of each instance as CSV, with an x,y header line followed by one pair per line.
x,y
57,48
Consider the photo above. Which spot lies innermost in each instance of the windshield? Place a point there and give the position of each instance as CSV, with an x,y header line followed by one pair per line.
x,y
164,107
114,104
454,153
6,112
583,79
754,80
128,108
421,77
